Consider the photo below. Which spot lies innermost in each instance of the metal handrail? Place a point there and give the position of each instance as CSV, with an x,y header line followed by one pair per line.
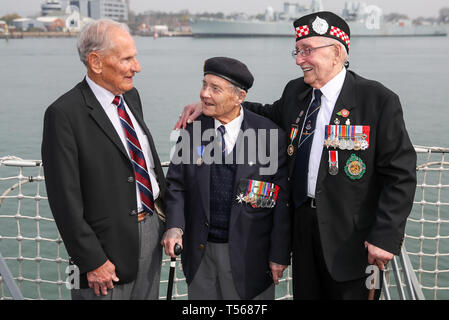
x,y
9,280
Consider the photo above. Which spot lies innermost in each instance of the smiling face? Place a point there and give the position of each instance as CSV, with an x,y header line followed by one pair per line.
x,y
220,99
115,68
322,65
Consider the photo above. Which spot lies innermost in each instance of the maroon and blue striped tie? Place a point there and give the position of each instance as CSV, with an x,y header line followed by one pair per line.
x,y
137,158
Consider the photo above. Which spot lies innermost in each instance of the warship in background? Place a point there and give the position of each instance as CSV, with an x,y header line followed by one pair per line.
x,y
364,20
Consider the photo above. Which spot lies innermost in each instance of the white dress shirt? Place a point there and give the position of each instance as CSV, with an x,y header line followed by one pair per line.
x,y
105,99
331,91
232,131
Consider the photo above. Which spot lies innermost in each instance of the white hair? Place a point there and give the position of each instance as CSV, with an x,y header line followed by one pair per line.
x,y
95,37
344,54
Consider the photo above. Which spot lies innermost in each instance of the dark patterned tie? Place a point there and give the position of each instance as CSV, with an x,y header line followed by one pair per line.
x,y
137,158
222,131
302,157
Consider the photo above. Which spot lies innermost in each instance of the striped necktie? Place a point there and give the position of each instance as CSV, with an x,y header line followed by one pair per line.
x,y
222,131
303,154
137,158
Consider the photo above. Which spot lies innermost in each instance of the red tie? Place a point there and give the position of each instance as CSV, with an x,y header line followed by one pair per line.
x,y
138,160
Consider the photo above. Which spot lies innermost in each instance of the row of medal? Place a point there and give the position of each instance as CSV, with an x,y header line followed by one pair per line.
x,y
258,194
347,137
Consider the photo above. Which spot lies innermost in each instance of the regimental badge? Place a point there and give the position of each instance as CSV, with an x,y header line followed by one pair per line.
x,y
343,113
320,26
258,194
355,167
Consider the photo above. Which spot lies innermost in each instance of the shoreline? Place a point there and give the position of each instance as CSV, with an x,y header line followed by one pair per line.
x,y
54,34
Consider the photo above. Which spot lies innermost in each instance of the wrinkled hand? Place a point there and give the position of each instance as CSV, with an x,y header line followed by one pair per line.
x,y
277,271
190,113
101,279
378,256
171,237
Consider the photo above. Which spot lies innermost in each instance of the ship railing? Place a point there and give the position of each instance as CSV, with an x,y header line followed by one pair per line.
x,y
33,249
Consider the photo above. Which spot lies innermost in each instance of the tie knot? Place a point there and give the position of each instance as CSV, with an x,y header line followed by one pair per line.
x,y
318,94
117,100
222,130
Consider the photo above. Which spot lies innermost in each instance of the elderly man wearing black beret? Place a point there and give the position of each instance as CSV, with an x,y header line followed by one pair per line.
x,y
225,204
351,165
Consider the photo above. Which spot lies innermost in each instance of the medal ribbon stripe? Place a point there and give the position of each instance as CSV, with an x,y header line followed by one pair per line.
x,y
137,157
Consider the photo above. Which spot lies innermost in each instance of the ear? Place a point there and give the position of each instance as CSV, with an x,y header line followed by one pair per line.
x,y
242,96
95,62
338,54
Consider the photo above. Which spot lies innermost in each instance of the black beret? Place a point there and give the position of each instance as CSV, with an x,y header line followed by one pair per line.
x,y
234,71
323,24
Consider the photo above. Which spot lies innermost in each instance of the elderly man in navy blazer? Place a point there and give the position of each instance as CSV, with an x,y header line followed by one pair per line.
x,y
225,204
103,175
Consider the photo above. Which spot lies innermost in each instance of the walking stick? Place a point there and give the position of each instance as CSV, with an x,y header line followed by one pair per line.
x,y
171,275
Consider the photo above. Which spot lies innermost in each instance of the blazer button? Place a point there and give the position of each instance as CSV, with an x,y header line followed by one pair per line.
x,y
201,246
207,225
133,213
130,179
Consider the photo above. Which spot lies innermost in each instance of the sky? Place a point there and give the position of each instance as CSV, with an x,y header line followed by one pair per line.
x,y
412,8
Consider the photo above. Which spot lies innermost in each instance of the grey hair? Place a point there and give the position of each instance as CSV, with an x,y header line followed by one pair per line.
x,y
95,37
344,54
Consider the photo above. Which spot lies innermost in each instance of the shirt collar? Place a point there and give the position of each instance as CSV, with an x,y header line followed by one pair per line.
x,y
232,127
332,89
105,97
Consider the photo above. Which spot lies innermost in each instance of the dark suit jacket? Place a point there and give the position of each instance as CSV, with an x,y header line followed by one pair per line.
x,y
374,208
256,235
90,182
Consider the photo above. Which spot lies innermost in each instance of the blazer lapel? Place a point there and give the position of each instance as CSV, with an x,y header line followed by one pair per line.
x,y
346,99
304,99
100,117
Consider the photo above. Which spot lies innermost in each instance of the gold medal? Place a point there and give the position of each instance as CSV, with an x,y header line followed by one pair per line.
x,y
290,150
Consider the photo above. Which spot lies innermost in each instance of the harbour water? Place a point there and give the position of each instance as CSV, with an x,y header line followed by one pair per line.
x,y
34,72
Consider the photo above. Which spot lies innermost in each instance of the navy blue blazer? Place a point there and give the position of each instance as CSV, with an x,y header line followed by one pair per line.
x,y
256,235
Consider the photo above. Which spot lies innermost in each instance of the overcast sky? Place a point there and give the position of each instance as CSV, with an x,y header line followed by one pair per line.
x,y
413,8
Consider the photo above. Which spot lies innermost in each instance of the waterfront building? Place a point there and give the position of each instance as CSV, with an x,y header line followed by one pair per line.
x,y
50,6
25,24
97,9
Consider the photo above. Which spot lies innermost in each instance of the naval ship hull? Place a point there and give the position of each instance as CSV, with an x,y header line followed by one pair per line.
x,y
257,28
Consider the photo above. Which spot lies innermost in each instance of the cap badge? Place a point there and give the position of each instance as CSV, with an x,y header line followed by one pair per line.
x,y
320,26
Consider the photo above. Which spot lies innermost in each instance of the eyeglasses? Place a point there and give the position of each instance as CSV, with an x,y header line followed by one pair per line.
x,y
305,52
